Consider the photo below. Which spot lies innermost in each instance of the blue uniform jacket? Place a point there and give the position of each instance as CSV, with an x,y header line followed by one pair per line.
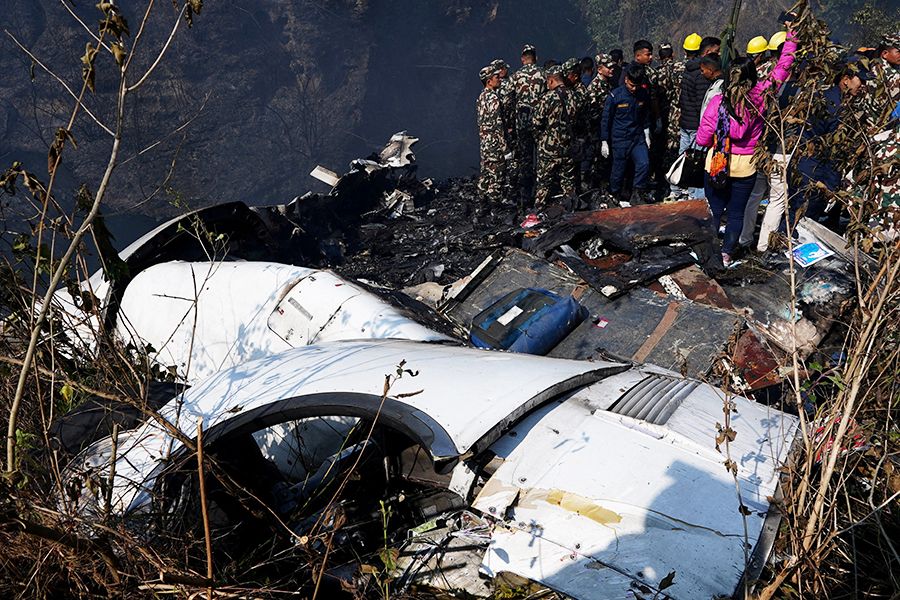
x,y
818,167
625,116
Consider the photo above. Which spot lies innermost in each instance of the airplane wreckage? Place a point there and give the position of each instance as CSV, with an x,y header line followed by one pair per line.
x,y
528,398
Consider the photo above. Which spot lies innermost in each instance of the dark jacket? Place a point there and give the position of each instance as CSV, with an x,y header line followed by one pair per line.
x,y
635,63
693,88
625,116
818,167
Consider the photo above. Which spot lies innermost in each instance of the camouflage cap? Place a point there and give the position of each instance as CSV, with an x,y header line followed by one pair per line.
x,y
528,48
605,60
487,72
571,66
555,70
499,64
891,39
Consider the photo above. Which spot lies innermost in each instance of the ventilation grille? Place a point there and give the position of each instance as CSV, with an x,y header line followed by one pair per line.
x,y
654,399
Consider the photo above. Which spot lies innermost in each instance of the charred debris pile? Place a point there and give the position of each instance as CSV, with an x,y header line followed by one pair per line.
x,y
649,279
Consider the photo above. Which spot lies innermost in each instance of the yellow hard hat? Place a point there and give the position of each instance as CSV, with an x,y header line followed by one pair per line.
x,y
692,42
777,40
757,45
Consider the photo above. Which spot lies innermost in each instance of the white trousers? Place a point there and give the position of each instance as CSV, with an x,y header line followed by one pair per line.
x,y
778,190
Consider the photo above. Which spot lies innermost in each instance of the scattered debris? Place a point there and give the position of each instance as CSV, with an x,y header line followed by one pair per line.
x,y
488,460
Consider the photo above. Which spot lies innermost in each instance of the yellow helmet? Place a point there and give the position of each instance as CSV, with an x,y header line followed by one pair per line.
x,y
757,45
692,42
777,40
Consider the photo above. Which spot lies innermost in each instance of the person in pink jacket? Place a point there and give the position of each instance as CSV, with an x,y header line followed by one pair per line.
x,y
744,123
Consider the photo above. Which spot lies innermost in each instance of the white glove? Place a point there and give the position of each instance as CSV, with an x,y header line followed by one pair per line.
x,y
647,137
604,149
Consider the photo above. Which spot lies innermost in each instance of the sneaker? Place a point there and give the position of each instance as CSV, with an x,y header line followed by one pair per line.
x,y
726,259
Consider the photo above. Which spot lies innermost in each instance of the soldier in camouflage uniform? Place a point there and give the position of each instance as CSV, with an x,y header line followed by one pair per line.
x,y
884,89
552,134
529,84
887,178
670,72
508,110
576,109
576,98
597,92
493,136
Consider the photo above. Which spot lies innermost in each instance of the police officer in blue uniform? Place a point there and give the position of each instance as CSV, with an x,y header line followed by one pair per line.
x,y
625,133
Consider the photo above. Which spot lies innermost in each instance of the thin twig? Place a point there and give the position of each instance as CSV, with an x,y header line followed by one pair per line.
x,y
86,28
63,83
161,52
206,532
140,33
110,482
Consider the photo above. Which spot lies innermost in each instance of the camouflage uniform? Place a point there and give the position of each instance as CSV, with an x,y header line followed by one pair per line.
x,y
576,109
887,146
529,84
883,92
493,143
596,97
507,94
659,144
552,135
670,74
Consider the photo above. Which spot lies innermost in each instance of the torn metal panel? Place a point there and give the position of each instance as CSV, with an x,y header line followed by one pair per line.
x,y
325,176
211,316
397,152
657,499
447,558
452,405
756,362
695,285
648,327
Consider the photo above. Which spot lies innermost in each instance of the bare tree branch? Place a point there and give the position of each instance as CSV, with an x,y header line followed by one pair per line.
x,y
161,52
63,83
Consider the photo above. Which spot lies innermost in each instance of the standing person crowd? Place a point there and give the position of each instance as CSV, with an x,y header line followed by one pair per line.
x,y
600,132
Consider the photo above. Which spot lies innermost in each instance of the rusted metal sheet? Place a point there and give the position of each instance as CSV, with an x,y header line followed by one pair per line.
x,y
700,287
651,225
758,365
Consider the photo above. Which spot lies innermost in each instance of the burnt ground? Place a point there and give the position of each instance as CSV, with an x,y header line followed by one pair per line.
x,y
443,239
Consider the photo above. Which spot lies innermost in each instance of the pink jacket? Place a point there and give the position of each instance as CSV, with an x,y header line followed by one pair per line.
x,y
745,136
